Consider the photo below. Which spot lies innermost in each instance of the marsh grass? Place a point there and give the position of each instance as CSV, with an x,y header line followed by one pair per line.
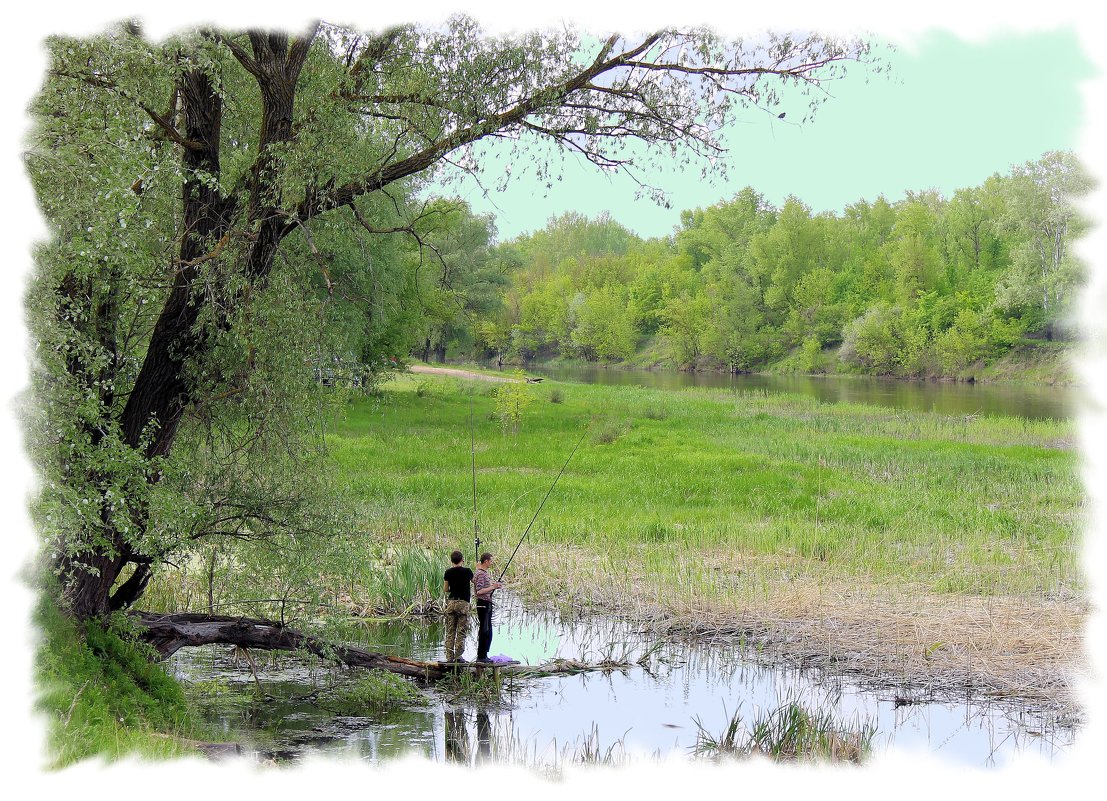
x,y
483,689
405,580
789,732
374,692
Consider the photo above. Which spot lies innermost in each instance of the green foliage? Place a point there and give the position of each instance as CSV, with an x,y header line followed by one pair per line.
x,y
924,287
374,692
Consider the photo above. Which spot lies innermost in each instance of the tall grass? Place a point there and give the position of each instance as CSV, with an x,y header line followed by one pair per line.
x,y
984,505
102,696
789,732
406,579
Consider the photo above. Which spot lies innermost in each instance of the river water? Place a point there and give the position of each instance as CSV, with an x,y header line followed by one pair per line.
x,y
1032,401
645,711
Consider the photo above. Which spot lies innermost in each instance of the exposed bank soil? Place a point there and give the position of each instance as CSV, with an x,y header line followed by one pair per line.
x,y
455,373
915,644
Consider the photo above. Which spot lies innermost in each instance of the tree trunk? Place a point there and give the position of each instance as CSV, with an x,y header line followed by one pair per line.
x,y
170,633
161,391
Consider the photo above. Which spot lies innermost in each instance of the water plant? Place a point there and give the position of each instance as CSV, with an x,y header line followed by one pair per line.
x,y
406,579
374,691
483,688
788,732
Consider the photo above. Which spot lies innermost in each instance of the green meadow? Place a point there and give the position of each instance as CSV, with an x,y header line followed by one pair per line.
x,y
676,485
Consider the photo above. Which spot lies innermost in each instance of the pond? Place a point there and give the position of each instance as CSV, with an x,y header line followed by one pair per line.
x,y
1032,401
651,709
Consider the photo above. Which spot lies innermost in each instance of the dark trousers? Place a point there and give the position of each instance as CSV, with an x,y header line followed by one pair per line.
x,y
484,631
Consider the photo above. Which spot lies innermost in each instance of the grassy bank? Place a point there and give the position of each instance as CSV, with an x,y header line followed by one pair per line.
x,y
103,697
953,540
1037,363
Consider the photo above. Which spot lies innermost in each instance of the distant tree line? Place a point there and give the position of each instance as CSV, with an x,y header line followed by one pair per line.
x,y
928,285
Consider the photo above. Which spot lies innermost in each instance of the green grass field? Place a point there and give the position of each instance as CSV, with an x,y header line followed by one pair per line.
x,y
985,505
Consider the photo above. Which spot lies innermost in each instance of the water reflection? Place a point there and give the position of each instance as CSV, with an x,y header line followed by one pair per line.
x,y
1032,401
645,711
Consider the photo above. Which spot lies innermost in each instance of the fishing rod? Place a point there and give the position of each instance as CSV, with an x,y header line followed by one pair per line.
x,y
550,490
473,453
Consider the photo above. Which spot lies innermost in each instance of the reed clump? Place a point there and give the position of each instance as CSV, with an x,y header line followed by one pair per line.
x,y
789,732
374,691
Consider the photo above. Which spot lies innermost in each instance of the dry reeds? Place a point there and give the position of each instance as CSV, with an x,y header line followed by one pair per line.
x,y
892,636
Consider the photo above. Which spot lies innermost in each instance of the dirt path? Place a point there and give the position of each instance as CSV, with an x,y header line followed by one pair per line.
x,y
450,371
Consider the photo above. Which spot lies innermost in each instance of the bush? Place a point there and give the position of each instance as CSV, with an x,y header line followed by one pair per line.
x,y
874,341
512,401
607,429
556,395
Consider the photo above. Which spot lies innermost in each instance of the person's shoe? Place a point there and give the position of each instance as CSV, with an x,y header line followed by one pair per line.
x,y
484,660
461,660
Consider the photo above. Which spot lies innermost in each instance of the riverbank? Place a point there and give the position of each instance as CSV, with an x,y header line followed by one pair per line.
x,y
935,551
1028,363
103,696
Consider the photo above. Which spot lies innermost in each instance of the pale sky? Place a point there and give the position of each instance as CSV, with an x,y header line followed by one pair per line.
x,y
949,114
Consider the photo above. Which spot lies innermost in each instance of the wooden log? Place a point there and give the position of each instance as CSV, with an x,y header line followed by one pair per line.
x,y
169,633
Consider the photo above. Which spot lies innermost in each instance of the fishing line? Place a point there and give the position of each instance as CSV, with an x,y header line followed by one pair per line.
x,y
551,489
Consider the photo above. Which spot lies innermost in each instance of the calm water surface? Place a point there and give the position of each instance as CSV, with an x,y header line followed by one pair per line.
x,y
642,711
1031,401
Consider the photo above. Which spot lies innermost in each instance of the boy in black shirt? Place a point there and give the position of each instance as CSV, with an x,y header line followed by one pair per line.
x,y
455,584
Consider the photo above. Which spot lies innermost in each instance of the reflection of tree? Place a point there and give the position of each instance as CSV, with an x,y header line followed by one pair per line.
x,y
457,737
484,737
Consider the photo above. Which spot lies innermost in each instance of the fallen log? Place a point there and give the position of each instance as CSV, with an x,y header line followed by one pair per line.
x,y
169,633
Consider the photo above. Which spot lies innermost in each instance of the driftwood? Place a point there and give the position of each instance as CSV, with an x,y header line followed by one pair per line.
x,y
170,632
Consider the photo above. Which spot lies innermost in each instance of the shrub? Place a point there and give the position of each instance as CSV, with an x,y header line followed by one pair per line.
x,y
607,429
512,400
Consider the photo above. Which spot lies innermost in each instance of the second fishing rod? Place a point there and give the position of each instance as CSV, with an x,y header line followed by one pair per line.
x,y
538,511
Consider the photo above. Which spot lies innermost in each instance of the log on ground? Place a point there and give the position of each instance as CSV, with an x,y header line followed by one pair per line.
x,y
168,633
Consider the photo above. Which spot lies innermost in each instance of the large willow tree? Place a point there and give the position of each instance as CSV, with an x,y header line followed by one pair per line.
x,y
204,193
